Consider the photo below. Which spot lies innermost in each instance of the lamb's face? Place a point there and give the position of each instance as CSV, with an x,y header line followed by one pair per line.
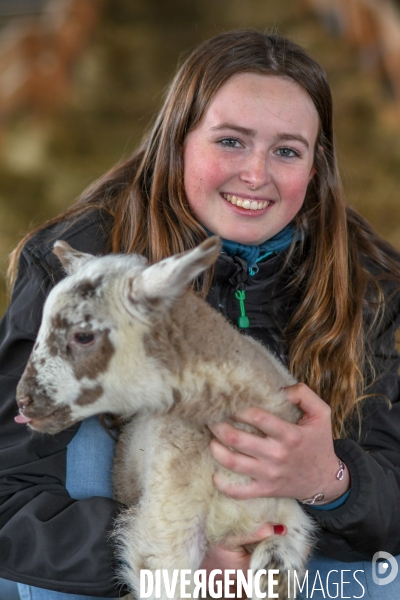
x,y
67,376
90,347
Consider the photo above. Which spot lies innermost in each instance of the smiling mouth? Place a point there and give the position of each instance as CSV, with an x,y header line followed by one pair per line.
x,y
246,203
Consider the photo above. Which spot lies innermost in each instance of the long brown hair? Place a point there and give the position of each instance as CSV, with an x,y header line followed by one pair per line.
x,y
146,197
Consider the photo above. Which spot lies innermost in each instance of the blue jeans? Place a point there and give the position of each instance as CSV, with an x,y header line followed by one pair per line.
x,y
88,474
8,590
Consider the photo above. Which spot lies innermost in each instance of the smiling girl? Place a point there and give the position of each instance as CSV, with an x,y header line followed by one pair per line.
x,y
243,148
248,163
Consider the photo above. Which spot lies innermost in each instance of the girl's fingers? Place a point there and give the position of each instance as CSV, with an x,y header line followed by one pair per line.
x,y
236,542
300,394
266,422
307,400
290,459
237,439
233,461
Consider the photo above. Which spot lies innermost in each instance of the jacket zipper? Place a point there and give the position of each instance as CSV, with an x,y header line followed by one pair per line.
x,y
237,282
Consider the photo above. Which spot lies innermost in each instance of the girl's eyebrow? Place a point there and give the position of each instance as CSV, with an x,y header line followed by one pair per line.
x,y
280,137
283,137
244,130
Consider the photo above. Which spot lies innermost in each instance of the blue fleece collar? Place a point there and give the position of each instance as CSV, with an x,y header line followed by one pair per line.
x,y
254,254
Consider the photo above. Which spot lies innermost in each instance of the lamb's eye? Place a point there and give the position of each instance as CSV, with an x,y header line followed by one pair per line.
x,y
83,338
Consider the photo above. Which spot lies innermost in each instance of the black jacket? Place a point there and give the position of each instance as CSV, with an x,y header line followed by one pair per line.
x,y
48,539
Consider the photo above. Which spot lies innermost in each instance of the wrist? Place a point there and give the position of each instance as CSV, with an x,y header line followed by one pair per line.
x,y
333,505
337,486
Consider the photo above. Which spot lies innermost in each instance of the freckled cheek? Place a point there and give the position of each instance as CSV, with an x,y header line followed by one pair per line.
x,y
214,173
294,192
203,182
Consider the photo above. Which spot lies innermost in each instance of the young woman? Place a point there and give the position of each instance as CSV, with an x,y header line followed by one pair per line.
x,y
242,148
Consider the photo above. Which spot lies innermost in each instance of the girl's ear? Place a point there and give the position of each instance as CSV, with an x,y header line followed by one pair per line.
x,y
70,259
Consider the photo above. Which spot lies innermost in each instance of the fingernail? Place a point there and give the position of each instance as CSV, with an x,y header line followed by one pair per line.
x,y
279,529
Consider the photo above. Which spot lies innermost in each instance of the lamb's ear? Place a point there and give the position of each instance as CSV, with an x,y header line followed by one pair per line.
x,y
170,276
70,259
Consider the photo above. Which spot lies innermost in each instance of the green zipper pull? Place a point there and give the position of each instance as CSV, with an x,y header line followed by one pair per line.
x,y
243,320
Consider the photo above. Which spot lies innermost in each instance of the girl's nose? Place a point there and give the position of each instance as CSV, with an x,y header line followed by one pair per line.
x,y
255,171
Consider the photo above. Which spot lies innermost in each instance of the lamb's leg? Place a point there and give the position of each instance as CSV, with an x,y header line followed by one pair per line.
x,y
285,553
276,554
146,544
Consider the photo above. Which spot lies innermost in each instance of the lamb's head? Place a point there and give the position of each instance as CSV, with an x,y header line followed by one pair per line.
x,y
90,343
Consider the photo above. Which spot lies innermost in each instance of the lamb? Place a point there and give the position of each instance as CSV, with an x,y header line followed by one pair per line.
x,y
121,336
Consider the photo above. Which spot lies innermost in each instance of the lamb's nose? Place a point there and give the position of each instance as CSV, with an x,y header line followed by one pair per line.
x,y
24,402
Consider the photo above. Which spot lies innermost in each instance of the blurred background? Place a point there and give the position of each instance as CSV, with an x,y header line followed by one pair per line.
x,y
80,81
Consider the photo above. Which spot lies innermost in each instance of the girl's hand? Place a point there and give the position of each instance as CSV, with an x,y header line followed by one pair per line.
x,y
231,554
290,460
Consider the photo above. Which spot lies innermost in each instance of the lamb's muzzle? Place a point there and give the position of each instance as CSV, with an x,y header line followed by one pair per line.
x,y
24,402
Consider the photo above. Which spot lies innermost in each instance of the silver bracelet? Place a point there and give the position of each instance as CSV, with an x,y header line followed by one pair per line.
x,y
320,496
314,499
340,473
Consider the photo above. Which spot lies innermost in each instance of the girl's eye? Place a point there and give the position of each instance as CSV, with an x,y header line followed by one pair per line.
x,y
288,153
83,338
230,143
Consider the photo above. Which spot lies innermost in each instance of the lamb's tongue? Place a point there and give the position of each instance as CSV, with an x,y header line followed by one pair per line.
x,y
21,419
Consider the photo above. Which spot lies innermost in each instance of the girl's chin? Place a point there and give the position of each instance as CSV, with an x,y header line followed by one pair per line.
x,y
249,231
245,238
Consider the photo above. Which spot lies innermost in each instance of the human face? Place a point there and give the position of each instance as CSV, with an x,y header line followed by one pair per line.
x,y
248,163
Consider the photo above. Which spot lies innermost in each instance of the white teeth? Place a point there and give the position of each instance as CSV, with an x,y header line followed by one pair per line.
x,y
246,203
